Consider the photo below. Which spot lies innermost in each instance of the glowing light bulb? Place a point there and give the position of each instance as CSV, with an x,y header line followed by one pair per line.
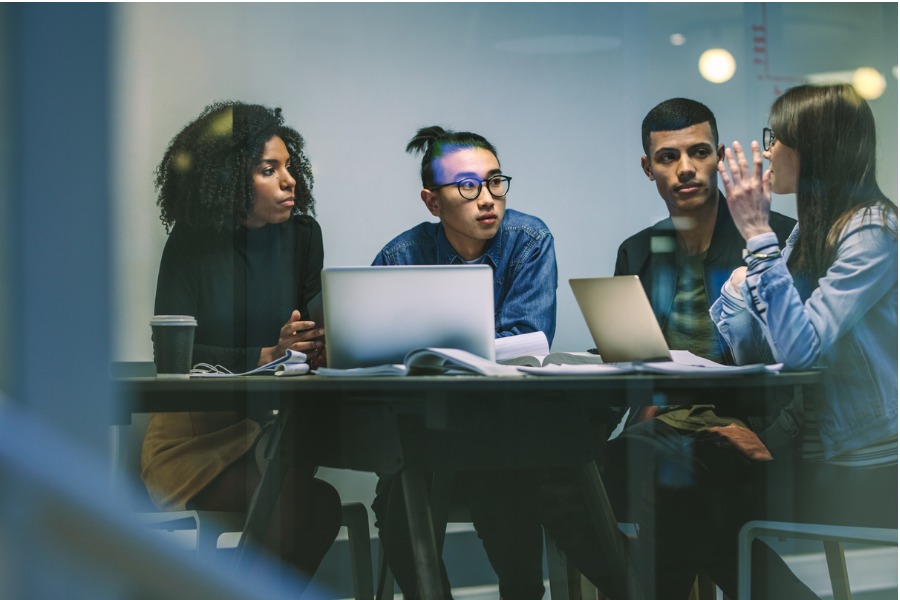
x,y
717,65
869,83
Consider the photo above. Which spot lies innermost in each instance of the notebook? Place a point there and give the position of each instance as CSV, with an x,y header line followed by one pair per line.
x,y
620,319
376,315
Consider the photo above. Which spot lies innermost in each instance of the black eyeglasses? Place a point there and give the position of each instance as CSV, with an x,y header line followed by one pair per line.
x,y
768,138
470,188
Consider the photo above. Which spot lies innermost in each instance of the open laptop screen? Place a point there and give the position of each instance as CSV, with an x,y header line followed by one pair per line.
x,y
620,319
375,315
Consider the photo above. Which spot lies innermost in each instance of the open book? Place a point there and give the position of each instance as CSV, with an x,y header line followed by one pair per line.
x,y
430,361
532,350
292,363
683,363
555,358
512,363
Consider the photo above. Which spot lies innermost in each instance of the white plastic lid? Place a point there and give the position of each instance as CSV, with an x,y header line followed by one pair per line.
x,y
181,320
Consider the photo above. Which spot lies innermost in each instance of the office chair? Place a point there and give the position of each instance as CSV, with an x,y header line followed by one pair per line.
x,y
832,537
126,442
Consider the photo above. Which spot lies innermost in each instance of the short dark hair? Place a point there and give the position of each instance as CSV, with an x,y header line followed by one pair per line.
x,y
435,141
675,114
205,177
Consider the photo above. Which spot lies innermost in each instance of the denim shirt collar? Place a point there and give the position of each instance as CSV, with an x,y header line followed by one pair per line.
x,y
493,252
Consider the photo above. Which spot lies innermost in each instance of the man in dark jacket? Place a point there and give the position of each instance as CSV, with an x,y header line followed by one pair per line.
x,y
684,260
668,469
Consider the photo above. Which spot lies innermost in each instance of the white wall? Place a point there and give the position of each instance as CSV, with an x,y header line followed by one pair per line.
x,y
559,89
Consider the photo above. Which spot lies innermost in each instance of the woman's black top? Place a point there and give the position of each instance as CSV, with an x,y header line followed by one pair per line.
x,y
241,286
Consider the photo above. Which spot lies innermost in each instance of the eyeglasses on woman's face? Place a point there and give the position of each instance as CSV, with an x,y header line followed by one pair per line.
x,y
768,138
470,188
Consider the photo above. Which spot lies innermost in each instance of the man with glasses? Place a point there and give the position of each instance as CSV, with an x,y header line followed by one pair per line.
x,y
464,187
683,261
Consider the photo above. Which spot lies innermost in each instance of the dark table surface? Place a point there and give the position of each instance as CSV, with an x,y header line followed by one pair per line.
x,y
411,425
149,394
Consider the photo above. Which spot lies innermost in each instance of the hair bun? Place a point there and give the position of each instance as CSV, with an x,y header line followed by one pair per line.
x,y
424,138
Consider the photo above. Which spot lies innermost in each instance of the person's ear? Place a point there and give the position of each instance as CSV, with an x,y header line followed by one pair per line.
x,y
431,202
648,171
720,152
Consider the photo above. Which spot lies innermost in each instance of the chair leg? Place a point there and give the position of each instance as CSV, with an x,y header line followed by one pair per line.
x,y
207,538
585,587
566,582
705,586
558,571
355,518
385,584
211,525
837,570
695,591
832,537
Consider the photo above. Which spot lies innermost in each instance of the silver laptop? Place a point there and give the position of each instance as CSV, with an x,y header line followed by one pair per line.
x,y
620,319
375,315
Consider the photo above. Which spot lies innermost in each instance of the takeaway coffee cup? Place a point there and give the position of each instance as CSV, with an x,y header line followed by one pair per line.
x,y
173,345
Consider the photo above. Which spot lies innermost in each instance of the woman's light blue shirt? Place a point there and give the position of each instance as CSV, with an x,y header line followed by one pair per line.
x,y
848,324
523,259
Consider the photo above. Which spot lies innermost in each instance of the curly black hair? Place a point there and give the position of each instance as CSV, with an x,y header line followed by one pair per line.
x,y
205,177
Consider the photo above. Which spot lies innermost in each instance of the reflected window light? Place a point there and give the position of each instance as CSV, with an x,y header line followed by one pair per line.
x,y
662,244
676,39
684,223
869,83
830,77
717,65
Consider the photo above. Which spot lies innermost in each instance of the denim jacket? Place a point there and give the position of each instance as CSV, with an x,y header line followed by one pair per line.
x,y
848,324
521,255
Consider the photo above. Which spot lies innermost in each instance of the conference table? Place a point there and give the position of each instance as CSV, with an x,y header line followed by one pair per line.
x,y
414,426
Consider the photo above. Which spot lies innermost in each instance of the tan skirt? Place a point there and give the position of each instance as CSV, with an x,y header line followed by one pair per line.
x,y
184,452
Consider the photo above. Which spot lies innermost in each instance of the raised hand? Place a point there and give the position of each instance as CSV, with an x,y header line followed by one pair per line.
x,y
747,190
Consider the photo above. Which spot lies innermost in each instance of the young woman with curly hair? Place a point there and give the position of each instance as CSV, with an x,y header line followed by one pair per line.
x,y
243,256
